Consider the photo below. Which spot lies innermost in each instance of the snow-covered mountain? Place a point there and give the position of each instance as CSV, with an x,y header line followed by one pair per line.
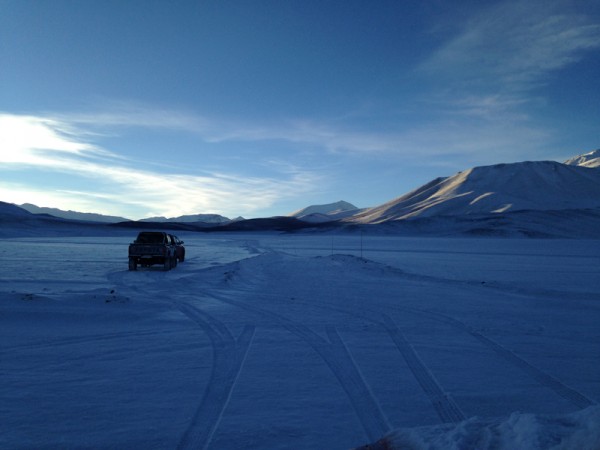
x,y
205,218
591,159
325,213
72,215
489,190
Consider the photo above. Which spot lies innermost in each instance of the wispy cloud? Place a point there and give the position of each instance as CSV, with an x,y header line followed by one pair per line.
x,y
437,137
513,45
214,129
55,145
487,80
477,129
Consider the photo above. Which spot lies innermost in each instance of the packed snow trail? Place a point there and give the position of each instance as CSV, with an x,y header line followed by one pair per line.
x,y
229,354
446,408
335,354
576,398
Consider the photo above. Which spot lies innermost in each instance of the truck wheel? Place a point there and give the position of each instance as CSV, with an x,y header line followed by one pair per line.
x,y
174,261
167,264
132,264
182,257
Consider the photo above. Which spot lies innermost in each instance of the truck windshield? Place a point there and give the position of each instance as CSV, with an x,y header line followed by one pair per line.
x,y
150,238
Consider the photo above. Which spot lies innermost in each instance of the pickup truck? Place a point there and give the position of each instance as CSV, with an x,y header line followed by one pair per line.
x,y
155,247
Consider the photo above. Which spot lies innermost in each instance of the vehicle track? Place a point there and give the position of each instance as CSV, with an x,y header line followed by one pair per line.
x,y
446,408
229,355
442,402
336,356
228,358
547,380
75,340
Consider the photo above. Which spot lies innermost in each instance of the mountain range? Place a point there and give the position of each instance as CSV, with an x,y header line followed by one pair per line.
x,y
71,215
526,186
538,198
93,217
204,218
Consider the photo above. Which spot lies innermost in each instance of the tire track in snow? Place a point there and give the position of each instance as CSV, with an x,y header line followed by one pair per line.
x,y
576,398
340,361
336,356
229,355
444,405
545,379
75,340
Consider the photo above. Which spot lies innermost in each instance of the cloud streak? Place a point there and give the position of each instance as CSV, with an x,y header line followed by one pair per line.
x,y
55,145
487,81
454,133
512,46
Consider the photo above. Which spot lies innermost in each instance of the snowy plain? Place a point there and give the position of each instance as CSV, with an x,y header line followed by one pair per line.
x,y
301,341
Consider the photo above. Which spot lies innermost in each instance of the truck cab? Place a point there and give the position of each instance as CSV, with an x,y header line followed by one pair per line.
x,y
154,247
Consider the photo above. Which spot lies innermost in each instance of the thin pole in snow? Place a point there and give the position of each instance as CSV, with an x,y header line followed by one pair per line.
x,y
361,244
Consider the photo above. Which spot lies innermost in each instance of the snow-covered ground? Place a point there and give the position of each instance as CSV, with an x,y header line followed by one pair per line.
x,y
301,342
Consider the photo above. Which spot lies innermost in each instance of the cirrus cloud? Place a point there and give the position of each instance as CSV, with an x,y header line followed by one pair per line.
x,y
56,146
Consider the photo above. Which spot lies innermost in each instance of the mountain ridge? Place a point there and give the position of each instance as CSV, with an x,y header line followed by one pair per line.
x,y
71,215
190,218
325,213
537,185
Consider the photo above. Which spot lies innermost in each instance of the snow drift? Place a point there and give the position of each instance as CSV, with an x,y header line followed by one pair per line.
x,y
580,430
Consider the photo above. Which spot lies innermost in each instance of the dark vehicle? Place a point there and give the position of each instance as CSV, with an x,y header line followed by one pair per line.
x,y
154,247
179,248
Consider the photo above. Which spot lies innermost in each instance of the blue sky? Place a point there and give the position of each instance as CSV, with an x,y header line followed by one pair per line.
x,y
259,108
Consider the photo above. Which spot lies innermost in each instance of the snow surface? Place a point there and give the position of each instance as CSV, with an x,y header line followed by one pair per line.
x,y
301,342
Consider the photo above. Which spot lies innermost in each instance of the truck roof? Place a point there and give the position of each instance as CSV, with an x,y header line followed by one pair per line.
x,y
151,237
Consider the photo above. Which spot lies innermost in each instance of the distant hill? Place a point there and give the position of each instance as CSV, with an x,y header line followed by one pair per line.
x,y
278,223
501,188
18,222
325,213
93,217
71,215
12,210
204,218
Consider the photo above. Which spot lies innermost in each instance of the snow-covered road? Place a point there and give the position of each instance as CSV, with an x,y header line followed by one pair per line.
x,y
297,341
